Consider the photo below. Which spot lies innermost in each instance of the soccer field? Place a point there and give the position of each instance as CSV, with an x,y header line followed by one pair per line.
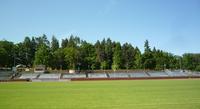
x,y
137,94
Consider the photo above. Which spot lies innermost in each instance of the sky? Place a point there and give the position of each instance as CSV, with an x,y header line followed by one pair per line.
x,y
170,25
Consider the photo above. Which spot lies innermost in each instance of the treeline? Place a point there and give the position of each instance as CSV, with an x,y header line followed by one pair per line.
x,y
75,53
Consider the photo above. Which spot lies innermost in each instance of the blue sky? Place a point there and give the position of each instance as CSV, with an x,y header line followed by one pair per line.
x,y
170,25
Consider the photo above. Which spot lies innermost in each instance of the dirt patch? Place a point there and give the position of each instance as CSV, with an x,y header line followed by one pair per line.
x,y
16,80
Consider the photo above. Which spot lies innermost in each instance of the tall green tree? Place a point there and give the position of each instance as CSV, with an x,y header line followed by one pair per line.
x,y
98,52
64,43
103,58
73,41
42,55
108,53
87,55
27,49
54,44
148,59
58,60
128,56
7,53
117,57
71,56
104,54
3,57
20,55
42,40
33,50
147,48
191,61
138,59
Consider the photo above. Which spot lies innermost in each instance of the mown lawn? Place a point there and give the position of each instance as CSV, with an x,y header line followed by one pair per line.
x,y
140,94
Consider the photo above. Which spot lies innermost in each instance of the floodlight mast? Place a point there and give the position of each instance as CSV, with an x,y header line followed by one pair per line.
x,y
27,54
180,64
164,66
14,59
127,67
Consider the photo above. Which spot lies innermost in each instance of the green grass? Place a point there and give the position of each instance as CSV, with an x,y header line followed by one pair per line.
x,y
141,94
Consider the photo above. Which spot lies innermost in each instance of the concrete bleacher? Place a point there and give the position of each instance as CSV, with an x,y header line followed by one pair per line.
x,y
29,76
5,75
158,74
195,73
119,75
97,75
176,73
54,76
138,74
8,75
70,76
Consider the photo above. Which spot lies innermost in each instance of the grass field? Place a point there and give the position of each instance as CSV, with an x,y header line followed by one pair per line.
x,y
141,94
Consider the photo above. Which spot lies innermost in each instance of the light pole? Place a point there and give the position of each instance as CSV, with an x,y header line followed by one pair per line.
x,y
180,64
14,59
164,67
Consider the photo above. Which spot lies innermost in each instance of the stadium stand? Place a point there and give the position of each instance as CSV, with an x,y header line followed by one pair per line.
x,y
195,73
176,73
119,75
6,75
69,76
9,75
97,75
158,74
49,76
29,76
138,74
